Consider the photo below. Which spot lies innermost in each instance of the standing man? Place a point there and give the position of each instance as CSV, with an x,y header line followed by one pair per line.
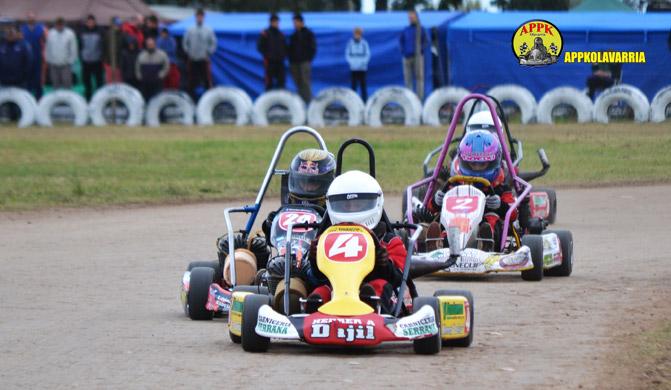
x,y
358,55
91,43
412,38
168,44
302,50
16,59
273,47
35,35
199,43
61,54
151,68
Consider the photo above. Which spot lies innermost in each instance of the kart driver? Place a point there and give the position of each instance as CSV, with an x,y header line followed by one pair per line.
x,y
356,197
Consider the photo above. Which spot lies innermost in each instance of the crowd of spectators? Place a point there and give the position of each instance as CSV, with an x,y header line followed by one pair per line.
x,y
143,54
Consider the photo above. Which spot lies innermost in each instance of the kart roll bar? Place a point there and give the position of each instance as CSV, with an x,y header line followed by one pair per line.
x,y
521,185
256,207
371,155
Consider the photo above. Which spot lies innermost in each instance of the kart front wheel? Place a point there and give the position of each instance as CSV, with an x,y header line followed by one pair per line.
x,y
552,199
251,341
535,244
218,274
468,340
566,244
430,345
199,289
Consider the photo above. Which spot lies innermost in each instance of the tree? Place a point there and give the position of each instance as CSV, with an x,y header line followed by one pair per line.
x,y
536,5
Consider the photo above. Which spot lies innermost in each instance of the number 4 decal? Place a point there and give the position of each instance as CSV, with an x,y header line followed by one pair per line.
x,y
347,244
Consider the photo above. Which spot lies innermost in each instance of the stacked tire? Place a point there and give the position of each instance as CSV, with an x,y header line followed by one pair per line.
x,y
24,100
123,93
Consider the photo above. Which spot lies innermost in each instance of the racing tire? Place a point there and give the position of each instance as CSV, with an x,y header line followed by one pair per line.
x,y
659,103
564,95
345,96
429,345
466,341
251,341
214,264
552,198
441,97
524,99
412,106
236,97
535,244
199,289
566,244
72,99
279,97
24,100
180,99
234,338
630,94
129,96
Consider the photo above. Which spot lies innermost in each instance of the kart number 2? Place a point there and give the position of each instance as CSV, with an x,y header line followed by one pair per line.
x,y
461,204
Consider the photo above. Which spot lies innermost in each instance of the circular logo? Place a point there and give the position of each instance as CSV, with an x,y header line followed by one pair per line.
x,y
537,43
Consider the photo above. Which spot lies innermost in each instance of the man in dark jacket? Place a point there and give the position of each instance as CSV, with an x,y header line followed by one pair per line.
x,y
302,50
413,59
35,34
15,59
273,47
91,49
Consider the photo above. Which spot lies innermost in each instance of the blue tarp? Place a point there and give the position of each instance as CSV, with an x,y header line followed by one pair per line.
x,y
237,62
480,53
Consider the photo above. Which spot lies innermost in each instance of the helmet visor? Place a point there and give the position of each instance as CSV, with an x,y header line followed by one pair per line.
x,y
353,203
479,166
306,184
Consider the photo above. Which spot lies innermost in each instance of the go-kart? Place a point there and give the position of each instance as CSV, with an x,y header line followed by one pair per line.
x,y
207,285
346,255
543,200
549,252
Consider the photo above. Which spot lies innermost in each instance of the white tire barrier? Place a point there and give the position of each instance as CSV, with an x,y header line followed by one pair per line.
x,y
659,103
630,94
564,95
279,97
236,97
127,95
441,97
412,107
345,96
62,97
182,101
520,95
24,100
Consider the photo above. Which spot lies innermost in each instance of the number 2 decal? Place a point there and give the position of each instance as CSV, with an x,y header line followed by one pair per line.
x,y
461,204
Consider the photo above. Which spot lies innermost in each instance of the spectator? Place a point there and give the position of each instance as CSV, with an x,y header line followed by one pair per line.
x,y
91,43
273,47
151,68
199,43
35,35
168,44
114,43
128,60
150,28
16,59
413,60
302,50
133,28
358,55
603,76
61,54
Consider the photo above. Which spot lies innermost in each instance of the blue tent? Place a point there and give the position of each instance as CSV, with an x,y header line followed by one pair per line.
x,y
480,52
237,62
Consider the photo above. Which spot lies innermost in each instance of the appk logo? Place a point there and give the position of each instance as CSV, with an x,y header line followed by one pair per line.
x,y
537,43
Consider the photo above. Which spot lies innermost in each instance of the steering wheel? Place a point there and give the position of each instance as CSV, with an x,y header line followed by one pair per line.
x,y
469,180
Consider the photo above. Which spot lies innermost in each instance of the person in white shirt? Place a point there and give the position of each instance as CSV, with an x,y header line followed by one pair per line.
x,y
60,54
199,43
357,54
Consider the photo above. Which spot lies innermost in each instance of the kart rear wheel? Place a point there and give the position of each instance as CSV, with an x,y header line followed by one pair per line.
x,y
430,345
535,244
566,243
199,289
466,341
214,264
552,199
251,341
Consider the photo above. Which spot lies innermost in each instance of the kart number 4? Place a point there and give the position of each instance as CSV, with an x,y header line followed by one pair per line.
x,y
346,246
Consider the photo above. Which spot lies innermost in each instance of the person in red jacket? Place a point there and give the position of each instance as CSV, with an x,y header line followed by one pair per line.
x,y
356,197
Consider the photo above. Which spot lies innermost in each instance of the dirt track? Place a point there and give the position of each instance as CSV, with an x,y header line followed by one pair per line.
x,y
89,298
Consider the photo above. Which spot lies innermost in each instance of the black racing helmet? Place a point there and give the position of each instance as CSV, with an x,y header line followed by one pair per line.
x,y
310,175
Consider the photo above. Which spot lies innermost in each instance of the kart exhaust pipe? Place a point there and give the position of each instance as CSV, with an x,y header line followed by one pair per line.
x,y
528,176
428,263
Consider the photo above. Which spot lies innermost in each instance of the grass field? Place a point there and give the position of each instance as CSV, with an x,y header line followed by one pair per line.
x,y
94,166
